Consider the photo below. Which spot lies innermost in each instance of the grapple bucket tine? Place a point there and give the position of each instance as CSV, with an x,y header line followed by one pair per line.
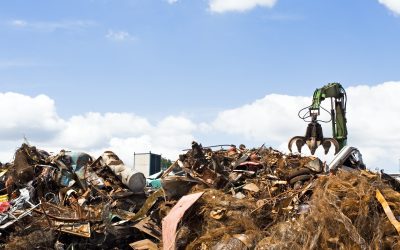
x,y
312,150
299,144
299,140
327,143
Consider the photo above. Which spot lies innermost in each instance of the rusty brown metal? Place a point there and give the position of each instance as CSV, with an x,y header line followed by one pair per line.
x,y
144,245
242,199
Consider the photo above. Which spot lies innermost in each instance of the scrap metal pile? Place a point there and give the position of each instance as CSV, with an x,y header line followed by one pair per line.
x,y
209,199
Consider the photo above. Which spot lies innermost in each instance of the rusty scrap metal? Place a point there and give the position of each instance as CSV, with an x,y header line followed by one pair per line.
x,y
208,199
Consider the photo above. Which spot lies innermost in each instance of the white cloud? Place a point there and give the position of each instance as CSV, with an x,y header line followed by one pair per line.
x,y
94,130
372,123
172,1
393,5
125,133
119,36
21,114
221,6
268,119
50,26
168,138
19,23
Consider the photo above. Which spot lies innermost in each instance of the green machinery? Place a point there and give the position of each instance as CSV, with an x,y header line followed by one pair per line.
x,y
314,136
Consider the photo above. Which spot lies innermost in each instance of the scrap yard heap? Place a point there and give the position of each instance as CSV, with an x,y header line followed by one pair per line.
x,y
230,198
199,125
233,198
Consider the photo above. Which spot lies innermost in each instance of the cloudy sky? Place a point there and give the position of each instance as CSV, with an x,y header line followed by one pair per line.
x,y
141,75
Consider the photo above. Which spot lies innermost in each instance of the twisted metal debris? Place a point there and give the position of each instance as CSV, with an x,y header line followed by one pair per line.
x,y
234,198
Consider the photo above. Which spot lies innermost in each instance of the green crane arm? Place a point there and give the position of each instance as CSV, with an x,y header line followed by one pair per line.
x,y
336,92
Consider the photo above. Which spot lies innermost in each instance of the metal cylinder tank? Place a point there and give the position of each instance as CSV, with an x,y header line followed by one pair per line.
x,y
135,181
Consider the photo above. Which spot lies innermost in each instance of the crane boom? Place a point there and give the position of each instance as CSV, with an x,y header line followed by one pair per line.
x,y
314,136
336,92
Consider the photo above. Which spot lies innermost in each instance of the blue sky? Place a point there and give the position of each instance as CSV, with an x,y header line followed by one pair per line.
x,y
207,61
159,58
